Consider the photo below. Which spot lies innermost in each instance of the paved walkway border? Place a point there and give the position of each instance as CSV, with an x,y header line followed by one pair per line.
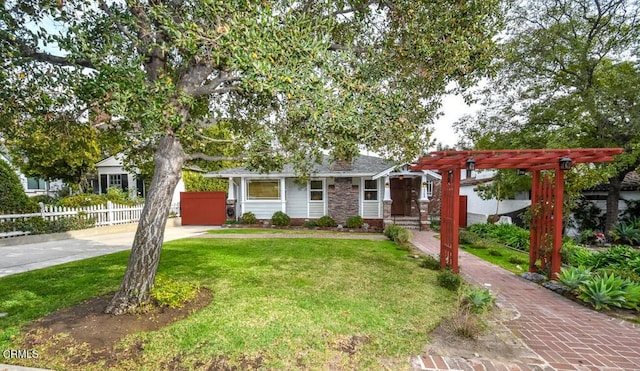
x,y
564,334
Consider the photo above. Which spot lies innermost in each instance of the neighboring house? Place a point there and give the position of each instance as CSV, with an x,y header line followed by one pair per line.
x,y
34,186
379,191
111,173
478,209
629,190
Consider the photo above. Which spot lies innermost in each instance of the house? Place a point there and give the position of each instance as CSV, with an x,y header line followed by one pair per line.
x,y
379,191
33,186
111,173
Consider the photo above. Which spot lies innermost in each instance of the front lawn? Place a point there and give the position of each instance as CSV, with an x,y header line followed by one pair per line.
x,y
279,303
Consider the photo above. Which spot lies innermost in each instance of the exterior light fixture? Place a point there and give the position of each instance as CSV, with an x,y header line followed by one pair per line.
x,y
565,163
521,171
471,164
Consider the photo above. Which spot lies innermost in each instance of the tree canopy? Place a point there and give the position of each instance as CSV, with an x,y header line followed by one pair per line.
x,y
567,77
292,79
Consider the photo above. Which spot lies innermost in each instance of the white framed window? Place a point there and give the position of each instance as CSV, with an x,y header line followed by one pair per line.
x,y
370,190
263,189
429,186
36,183
115,180
316,190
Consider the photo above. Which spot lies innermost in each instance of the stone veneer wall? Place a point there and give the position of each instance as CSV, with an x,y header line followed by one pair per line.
x,y
343,199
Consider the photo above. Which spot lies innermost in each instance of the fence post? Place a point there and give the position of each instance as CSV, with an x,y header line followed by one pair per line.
x,y
110,213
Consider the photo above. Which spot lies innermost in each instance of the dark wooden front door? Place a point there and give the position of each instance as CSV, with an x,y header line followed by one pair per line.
x,y
401,197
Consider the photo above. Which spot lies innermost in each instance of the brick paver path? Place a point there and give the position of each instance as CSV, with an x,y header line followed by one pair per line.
x,y
565,335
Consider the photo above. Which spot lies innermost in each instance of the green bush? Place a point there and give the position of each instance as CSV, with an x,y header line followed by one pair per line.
x,y
430,262
280,219
494,252
391,231
631,295
576,255
603,291
449,280
402,236
326,222
354,222
12,196
468,237
39,225
507,234
83,200
514,259
172,293
478,299
310,224
45,199
574,277
249,218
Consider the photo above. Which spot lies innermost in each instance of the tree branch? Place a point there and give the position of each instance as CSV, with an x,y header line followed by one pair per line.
x,y
202,156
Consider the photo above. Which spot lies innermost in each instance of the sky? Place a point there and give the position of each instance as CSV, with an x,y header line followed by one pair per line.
x,y
453,107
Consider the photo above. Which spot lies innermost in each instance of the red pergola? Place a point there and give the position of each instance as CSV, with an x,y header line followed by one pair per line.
x,y
547,193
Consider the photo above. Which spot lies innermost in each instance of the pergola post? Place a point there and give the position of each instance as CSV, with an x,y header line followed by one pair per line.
x,y
557,223
450,220
534,240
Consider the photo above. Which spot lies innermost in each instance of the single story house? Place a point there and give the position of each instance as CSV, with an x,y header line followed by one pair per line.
x,y
379,191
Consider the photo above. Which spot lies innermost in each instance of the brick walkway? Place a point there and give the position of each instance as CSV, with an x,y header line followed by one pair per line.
x,y
563,334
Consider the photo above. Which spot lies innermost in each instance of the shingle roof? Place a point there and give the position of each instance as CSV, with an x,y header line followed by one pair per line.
x,y
361,166
631,182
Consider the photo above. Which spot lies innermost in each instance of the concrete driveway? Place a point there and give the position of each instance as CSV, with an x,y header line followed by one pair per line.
x,y
62,248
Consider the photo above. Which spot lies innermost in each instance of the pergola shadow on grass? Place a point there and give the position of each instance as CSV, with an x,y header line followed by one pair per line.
x,y
547,167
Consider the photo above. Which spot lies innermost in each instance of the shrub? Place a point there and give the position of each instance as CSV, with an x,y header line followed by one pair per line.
x,y
435,223
430,262
494,252
83,200
626,233
575,255
449,280
39,225
172,293
478,299
326,222
631,295
468,237
310,224
603,291
574,277
391,231
354,222
514,259
12,196
402,236
249,218
45,199
280,219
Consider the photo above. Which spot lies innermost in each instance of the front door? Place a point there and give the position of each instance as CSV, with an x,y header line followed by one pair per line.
x,y
400,196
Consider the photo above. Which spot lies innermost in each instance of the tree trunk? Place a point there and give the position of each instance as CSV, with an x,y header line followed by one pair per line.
x,y
140,274
613,198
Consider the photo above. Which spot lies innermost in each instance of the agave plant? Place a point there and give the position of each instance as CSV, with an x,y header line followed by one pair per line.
x,y
603,291
574,277
631,295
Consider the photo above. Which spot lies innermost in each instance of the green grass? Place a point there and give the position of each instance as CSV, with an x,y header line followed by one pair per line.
x,y
505,260
276,231
291,303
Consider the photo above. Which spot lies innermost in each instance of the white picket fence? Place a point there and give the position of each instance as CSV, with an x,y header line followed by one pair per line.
x,y
111,214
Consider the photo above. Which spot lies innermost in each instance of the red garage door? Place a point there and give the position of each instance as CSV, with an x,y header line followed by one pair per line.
x,y
203,208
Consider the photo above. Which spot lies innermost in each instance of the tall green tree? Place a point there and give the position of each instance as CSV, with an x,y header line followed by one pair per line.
x,y
568,77
293,78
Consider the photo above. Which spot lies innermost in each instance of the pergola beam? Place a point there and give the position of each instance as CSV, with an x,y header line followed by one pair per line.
x,y
548,195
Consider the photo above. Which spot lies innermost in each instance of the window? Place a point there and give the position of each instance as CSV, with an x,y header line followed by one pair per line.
x,y
316,190
429,187
115,181
263,190
371,190
36,183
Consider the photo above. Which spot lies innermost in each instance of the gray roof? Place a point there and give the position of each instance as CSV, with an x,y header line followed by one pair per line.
x,y
361,166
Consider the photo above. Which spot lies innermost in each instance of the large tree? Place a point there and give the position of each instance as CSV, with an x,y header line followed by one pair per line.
x,y
568,77
294,78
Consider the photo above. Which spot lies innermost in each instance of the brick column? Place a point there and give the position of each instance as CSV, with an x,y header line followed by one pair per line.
x,y
231,204
425,222
386,213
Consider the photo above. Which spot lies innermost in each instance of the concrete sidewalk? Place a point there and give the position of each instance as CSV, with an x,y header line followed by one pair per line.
x,y
563,334
78,246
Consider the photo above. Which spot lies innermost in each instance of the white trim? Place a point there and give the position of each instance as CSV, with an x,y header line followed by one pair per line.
x,y
283,194
231,195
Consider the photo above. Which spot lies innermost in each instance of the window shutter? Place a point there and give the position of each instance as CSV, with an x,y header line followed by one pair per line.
x,y
103,183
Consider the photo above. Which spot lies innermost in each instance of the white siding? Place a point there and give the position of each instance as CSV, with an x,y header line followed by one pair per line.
x,y
296,199
370,209
262,209
316,209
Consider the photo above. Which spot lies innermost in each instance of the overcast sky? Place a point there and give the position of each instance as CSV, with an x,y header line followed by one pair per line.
x,y
453,107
